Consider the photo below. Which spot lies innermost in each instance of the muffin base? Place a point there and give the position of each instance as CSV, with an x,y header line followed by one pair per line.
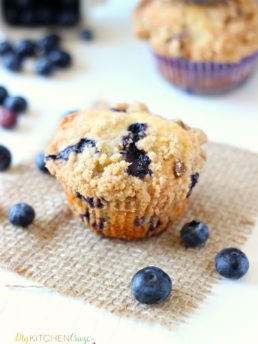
x,y
206,77
123,225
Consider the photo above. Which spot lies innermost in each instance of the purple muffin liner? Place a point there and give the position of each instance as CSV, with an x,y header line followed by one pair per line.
x,y
206,77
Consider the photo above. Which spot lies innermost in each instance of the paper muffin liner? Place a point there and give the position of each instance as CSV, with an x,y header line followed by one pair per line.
x,y
206,77
97,215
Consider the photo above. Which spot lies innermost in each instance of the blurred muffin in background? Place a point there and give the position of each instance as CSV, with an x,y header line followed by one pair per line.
x,y
201,46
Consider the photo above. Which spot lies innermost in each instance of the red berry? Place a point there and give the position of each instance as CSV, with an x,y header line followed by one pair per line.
x,y
8,118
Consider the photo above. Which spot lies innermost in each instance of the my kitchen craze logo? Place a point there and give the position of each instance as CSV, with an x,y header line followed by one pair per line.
x,y
53,338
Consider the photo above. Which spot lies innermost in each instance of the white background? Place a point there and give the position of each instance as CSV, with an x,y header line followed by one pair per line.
x,y
119,68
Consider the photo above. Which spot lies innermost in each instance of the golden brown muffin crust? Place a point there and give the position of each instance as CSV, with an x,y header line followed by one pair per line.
x,y
104,173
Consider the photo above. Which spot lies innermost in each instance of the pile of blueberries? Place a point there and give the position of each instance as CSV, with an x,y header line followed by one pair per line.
x,y
151,284
47,52
34,13
10,108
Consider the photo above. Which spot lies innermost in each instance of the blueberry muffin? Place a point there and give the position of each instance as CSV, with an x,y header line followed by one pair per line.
x,y
201,46
126,173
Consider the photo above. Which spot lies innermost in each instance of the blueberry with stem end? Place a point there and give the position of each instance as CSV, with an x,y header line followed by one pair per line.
x,y
151,285
231,263
194,233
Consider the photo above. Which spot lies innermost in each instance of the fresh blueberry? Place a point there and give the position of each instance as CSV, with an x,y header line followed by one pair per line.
x,y
87,35
5,48
25,48
3,94
21,215
45,66
194,233
8,118
5,158
67,18
40,163
151,285
231,263
60,58
17,104
48,43
13,62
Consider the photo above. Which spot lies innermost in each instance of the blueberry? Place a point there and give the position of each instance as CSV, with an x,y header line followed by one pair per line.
x,y
45,66
5,48
8,118
13,62
48,43
140,167
67,18
139,160
151,285
194,181
5,158
138,130
60,58
17,104
194,233
25,48
231,263
76,148
3,94
40,163
87,35
21,214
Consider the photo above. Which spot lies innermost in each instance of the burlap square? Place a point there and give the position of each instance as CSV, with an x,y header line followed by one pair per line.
x,y
58,252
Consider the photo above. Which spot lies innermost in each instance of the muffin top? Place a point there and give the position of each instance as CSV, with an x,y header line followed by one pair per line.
x,y
219,31
125,153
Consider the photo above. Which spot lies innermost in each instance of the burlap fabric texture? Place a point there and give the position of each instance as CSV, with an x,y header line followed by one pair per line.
x,y
58,252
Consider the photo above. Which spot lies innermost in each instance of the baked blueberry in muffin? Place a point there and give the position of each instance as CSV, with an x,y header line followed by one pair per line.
x,y
126,172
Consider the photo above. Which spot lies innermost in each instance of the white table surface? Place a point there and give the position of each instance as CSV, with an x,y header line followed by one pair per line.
x,y
117,67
